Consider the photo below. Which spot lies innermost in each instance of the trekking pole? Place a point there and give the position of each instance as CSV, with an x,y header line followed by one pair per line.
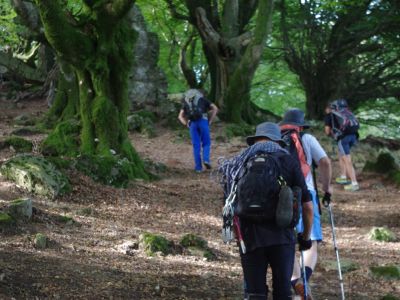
x,y
327,204
303,274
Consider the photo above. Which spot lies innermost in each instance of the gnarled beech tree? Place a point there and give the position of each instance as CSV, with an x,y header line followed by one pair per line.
x,y
94,49
233,50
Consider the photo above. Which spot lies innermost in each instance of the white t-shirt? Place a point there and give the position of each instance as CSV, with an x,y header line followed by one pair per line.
x,y
313,151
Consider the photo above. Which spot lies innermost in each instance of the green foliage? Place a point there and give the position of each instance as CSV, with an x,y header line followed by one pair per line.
x,y
10,31
387,272
380,117
153,243
65,219
19,144
382,234
111,170
275,88
63,140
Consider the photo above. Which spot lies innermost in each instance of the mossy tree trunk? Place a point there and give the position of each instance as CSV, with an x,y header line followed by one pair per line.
x,y
96,49
237,53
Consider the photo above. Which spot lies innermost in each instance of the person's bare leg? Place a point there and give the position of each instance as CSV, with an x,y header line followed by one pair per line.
x,y
350,168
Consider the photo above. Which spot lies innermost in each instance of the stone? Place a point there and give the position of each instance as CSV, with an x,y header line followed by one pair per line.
x,y
23,120
40,241
36,175
21,209
147,86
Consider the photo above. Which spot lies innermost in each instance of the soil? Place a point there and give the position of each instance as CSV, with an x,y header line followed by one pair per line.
x,y
88,258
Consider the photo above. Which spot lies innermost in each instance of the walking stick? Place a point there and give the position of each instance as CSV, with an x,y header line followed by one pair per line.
x,y
303,271
327,204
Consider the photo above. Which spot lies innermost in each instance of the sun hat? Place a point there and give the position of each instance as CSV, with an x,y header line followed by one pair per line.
x,y
268,130
295,117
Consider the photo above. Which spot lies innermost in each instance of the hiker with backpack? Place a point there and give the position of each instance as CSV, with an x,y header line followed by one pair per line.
x,y
260,205
197,113
307,150
342,125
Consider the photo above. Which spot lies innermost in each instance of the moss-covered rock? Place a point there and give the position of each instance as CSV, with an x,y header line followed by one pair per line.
x,y
197,246
63,140
6,220
382,234
192,240
24,120
35,174
152,243
20,209
143,122
19,144
387,272
384,163
345,264
40,241
110,170
65,219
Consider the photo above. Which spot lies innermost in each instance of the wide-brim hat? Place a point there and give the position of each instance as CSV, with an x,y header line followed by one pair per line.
x,y
295,117
267,130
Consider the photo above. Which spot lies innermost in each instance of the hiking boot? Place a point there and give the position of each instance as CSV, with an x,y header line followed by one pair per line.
x,y
198,171
207,165
342,180
299,290
351,187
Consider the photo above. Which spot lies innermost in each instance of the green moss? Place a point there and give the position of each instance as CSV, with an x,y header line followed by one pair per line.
x,y
192,240
24,120
19,144
40,241
242,129
60,162
153,243
35,174
390,297
387,272
63,140
382,234
6,220
86,211
65,219
110,170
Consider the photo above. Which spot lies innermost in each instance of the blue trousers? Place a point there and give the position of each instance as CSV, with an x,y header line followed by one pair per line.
x,y
200,135
255,264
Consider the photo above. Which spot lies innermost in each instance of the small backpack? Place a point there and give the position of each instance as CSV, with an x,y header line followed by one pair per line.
x,y
194,110
345,119
262,193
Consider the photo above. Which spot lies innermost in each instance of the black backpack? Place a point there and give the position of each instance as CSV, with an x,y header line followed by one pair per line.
x,y
194,110
260,189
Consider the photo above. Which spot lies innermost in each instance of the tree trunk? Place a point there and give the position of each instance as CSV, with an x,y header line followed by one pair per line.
x,y
236,55
100,58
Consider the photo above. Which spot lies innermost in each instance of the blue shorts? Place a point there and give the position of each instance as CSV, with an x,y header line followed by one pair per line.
x,y
346,143
316,231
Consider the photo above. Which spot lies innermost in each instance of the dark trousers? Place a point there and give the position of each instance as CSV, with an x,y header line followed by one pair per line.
x,y
255,264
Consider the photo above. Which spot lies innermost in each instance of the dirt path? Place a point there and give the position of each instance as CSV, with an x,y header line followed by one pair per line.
x,y
87,260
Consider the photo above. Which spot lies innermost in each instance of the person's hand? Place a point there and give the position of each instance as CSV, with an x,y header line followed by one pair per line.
x,y
303,244
326,200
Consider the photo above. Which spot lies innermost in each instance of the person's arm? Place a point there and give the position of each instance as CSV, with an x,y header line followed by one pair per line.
x,y
182,118
325,173
307,213
213,113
